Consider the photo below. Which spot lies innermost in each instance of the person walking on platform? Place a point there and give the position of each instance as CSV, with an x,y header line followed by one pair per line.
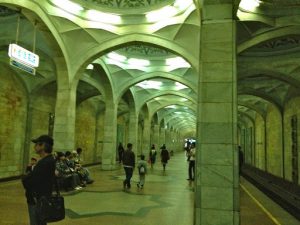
x,y
192,158
152,156
128,164
164,154
142,167
39,182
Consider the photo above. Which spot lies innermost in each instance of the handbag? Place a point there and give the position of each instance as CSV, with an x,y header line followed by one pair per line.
x,y
51,208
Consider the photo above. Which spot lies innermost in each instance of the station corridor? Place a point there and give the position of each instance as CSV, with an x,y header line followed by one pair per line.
x,y
167,199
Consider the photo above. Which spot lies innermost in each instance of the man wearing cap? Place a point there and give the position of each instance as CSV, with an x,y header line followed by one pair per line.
x,y
40,181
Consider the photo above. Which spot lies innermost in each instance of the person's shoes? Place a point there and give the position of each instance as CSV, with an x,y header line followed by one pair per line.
x,y
78,188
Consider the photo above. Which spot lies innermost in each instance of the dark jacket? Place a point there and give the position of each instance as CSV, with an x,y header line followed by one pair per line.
x,y
129,158
164,155
40,181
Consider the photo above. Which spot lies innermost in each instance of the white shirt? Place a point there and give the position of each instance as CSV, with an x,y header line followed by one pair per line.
x,y
193,154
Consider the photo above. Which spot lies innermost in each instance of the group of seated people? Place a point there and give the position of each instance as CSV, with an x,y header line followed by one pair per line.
x,y
70,173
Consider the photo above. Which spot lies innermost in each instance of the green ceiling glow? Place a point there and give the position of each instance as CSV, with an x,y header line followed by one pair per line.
x,y
179,86
161,14
249,5
117,57
138,62
68,6
98,16
149,84
168,11
90,67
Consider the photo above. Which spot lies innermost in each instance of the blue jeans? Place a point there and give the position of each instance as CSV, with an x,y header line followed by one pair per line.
x,y
128,173
33,216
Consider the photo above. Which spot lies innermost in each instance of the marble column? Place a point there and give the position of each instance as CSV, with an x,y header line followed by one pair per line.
x,y
146,136
217,181
162,137
133,131
64,122
156,136
168,139
110,137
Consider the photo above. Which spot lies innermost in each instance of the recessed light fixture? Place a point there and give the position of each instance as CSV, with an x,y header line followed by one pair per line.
x,y
90,67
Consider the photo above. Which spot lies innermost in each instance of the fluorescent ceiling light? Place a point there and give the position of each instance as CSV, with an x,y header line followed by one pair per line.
x,y
158,15
179,62
90,67
183,100
178,112
179,86
103,17
182,4
149,84
116,56
138,62
68,6
249,5
171,107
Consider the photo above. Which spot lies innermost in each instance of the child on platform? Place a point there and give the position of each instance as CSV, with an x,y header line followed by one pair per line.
x,y
142,168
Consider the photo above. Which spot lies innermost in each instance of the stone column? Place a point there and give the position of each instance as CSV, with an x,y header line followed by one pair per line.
x,y
64,122
156,136
173,141
217,181
146,136
110,137
28,137
168,139
162,137
133,131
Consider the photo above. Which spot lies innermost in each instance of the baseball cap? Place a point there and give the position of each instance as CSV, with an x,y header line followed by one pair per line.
x,y
43,139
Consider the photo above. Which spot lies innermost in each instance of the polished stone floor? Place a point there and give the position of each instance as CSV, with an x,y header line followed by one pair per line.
x,y
167,199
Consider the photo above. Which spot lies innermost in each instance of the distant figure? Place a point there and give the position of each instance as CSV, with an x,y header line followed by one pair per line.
x,y
40,181
164,154
79,156
142,167
128,164
192,158
152,156
121,152
241,158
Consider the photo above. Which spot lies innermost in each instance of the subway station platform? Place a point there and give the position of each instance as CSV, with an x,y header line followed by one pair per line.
x,y
167,199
